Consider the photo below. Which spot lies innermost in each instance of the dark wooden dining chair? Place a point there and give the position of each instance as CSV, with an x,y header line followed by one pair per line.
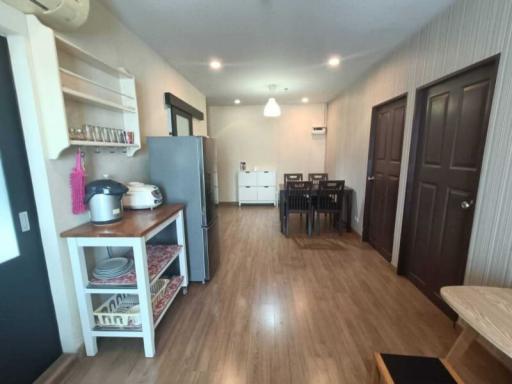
x,y
316,177
298,200
329,200
292,177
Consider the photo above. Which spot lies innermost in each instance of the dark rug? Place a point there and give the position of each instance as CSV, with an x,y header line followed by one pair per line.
x,y
320,243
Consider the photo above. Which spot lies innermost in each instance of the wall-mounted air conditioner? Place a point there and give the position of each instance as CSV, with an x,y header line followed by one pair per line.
x,y
56,14
319,131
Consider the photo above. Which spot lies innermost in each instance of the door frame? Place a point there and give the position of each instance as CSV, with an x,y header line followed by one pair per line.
x,y
175,112
180,107
21,199
369,169
16,27
419,110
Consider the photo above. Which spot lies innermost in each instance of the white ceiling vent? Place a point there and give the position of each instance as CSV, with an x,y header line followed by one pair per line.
x,y
57,14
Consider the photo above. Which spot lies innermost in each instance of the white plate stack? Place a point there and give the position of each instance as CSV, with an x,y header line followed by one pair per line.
x,y
114,267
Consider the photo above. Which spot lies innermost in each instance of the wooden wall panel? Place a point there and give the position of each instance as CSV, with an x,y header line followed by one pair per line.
x,y
467,32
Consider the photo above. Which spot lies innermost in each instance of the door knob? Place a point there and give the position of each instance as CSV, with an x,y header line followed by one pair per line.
x,y
466,204
371,178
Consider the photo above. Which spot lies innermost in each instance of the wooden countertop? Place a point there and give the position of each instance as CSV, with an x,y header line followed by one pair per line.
x,y
488,310
134,223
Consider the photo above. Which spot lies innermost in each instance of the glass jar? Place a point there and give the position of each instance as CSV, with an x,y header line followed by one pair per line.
x,y
79,134
88,131
105,134
113,135
122,136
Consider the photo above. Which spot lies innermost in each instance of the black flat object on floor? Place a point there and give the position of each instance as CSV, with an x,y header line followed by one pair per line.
x,y
417,370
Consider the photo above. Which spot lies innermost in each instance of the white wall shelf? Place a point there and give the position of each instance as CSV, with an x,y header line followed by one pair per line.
x,y
64,45
80,88
95,83
90,99
101,144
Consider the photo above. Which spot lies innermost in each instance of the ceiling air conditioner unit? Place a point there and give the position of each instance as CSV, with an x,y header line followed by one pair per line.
x,y
56,14
319,130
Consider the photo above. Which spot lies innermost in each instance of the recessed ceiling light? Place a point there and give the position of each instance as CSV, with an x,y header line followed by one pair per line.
x,y
215,64
305,100
334,61
237,101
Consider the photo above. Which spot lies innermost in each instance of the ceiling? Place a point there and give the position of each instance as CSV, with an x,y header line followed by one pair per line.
x,y
282,42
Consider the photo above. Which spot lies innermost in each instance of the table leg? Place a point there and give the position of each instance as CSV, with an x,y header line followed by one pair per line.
x,y
375,376
462,343
349,211
281,210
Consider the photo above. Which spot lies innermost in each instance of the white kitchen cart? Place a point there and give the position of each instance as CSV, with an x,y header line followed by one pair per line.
x,y
134,230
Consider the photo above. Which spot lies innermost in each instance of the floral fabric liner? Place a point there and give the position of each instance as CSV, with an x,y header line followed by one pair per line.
x,y
170,291
158,258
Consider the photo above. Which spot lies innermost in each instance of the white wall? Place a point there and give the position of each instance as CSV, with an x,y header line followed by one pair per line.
x,y
469,31
284,144
106,37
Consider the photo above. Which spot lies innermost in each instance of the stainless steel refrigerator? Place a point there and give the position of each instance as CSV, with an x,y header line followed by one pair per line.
x,y
185,168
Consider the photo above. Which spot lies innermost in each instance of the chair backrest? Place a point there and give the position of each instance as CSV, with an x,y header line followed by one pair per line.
x,y
330,195
316,177
292,177
298,195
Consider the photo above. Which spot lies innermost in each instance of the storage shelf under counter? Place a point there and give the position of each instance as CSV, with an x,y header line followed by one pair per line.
x,y
150,262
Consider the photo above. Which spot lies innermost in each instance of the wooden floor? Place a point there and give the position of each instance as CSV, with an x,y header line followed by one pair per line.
x,y
287,310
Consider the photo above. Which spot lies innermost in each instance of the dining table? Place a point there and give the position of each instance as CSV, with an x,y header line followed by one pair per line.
x,y
486,312
346,209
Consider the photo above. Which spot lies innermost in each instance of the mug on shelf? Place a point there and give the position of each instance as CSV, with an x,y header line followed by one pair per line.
x,y
71,133
79,134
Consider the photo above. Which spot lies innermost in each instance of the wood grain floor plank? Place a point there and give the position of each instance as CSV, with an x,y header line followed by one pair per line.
x,y
287,310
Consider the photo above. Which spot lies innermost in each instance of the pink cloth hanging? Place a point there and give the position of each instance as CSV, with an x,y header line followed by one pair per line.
x,y
77,179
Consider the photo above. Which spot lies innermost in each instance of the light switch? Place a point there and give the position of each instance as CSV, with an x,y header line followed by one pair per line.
x,y
24,221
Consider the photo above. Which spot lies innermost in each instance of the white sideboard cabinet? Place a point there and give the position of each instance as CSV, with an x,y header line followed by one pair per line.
x,y
257,187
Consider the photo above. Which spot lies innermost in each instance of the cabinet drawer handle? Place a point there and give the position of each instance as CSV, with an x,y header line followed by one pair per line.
x,y
266,186
265,171
247,171
247,187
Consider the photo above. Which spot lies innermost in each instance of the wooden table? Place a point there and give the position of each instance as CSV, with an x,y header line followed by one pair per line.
x,y
487,312
134,230
347,204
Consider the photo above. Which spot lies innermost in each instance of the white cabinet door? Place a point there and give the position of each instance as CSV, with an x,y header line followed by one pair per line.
x,y
266,178
266,194
247,193
247,178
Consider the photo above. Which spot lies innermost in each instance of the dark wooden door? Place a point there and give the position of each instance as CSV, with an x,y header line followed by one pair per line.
x,y
29,338
450,143
384,174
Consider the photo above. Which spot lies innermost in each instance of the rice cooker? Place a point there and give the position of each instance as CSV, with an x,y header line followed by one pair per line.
x,y
142,196
104,198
